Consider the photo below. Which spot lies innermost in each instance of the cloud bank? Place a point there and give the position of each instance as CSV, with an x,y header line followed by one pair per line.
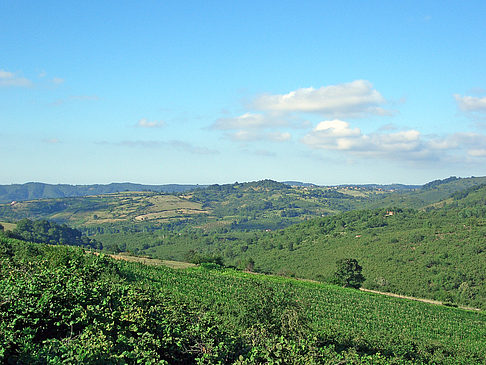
x,y
407,145
270,114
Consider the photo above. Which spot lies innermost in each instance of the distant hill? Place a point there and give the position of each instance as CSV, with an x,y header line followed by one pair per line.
x,y
256,205
430,193
36,190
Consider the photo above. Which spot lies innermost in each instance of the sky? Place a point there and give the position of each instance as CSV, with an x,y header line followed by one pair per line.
x,y
204,92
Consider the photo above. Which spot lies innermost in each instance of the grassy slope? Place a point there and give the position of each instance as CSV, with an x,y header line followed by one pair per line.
x,y
351,326
439,254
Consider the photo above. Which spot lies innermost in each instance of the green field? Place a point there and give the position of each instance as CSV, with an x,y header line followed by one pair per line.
x,y
62,305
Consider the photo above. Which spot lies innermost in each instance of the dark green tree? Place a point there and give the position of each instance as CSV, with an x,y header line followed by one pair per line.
x,y
348,273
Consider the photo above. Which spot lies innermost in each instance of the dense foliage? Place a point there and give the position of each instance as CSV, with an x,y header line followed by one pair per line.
x,y
43,231
59,304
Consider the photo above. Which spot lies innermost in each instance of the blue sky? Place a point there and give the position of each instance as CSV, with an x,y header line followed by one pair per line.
x,y
204,92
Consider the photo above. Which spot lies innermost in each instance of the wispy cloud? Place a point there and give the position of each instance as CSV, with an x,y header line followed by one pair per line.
x,y
144,123
173,144
258,127
10,79
348,100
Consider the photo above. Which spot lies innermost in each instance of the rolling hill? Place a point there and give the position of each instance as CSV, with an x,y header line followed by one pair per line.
x,y
436,252
427,242
59,304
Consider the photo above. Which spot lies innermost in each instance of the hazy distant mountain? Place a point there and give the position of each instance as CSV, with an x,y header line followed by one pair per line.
x,y
35,190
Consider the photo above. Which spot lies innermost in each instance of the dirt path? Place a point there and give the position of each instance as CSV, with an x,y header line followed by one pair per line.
x,y
150,261
414,298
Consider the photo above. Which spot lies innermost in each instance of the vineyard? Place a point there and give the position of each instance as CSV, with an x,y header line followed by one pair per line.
x,y
60,304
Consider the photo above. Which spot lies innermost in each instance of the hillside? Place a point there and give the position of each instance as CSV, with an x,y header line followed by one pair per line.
x,y
35,190
127,207
437,252
59,304
256,205
430,193
431,244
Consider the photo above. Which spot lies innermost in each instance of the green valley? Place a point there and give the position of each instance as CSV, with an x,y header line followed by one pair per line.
x,y
427,242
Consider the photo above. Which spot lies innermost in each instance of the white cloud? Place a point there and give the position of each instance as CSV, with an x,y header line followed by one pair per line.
x,y
276,112
471,103
351,100
144,123
407,145
337,128
9,79
473,143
